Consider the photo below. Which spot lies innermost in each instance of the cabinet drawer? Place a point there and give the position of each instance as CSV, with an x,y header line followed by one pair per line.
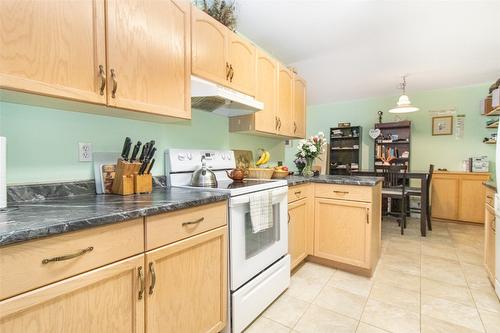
x,y
170,227
343,192
27,265
490,197
298,192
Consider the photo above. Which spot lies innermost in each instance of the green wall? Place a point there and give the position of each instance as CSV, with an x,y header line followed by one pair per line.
x,y
444,151
43,142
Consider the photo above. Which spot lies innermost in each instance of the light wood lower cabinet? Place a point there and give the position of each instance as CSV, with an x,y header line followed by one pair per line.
x,y
337,225
300,230
489,242
102,300
458,196
343,231
187,285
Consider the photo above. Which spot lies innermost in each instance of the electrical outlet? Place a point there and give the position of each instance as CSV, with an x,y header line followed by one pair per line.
x,y
85,152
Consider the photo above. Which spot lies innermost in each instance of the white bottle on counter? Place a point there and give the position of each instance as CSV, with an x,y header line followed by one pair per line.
x,y
3,172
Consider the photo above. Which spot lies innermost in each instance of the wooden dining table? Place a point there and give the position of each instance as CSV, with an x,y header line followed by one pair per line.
x,y
420,175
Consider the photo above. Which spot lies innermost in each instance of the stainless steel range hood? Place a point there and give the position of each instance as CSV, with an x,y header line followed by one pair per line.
x,y
209,96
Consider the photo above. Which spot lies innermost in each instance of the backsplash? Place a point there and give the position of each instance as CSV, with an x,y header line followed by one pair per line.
x,y
42,143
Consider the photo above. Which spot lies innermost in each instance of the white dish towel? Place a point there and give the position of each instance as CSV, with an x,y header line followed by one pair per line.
x,y
261,211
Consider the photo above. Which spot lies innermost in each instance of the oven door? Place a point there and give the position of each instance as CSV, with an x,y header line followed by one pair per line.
x,y
251,253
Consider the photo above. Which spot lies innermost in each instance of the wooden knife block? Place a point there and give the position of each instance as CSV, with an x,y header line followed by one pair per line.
x,y
124,177
143,183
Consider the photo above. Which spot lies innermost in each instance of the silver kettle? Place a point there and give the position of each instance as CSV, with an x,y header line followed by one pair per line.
x,y
203,176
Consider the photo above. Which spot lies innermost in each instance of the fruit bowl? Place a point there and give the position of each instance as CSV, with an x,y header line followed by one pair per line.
x,y
260,173
279,174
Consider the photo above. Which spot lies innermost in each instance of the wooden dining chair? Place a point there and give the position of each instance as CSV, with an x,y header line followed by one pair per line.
x,y
394,187
417,191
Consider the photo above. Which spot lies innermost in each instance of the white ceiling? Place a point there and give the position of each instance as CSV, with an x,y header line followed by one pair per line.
x,y
359,49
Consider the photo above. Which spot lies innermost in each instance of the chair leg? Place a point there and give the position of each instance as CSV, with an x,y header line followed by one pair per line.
x,y
429,220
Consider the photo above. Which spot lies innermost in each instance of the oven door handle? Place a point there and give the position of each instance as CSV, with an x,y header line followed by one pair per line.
x,y
277,194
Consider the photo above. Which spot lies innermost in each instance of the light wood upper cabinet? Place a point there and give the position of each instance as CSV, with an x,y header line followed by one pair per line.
x,y
209,47
458,196
299,108
242,57
187,284
102,300
267,92
148,55
285,101
343,231
53,48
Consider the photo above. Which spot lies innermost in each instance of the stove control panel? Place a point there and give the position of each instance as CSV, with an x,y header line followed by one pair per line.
x,y
187,160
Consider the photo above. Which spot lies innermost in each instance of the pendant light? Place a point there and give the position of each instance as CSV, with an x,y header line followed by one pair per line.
x,y
404,104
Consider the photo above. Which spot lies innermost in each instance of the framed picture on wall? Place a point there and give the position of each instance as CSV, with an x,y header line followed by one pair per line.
x,y
442,125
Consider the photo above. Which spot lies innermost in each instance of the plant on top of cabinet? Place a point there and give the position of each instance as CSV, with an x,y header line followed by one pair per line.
x,y
221,10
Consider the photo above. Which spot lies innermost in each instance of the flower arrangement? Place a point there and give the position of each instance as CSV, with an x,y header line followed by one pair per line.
x,y
307,151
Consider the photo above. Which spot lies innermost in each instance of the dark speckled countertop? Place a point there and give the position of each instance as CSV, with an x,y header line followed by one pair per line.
x,y
332,179
491,184
27,220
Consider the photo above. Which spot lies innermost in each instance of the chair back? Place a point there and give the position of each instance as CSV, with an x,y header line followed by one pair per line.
x,y
395,176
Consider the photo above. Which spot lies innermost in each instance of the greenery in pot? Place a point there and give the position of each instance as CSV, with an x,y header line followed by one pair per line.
x,y
309,150
221,10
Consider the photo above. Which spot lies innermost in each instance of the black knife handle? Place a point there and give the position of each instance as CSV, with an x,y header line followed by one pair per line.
x,y
151,154
144,153
150,166
143,167
135,151
124,149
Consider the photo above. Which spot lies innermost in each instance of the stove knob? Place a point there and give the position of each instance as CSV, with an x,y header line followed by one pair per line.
x,y
189,156
181,156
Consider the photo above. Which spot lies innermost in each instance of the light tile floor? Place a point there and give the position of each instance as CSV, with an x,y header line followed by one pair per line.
x,y
431,284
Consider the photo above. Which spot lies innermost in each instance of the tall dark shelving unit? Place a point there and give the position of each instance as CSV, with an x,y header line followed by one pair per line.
x,y
397,146
345,149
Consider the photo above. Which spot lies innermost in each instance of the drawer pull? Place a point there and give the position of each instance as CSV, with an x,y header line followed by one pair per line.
x,y
298,193
367,216
193,222
102,74
115,83
68,256
141,281
341,192
153,278
489,197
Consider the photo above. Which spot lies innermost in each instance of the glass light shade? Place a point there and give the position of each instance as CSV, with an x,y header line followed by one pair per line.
x,y
404,106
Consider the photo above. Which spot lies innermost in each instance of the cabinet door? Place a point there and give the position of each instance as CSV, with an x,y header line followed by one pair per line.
x,y
471,200
103,300
445,198
489,243
285,101
300,230
53,48
343,231
299,108
267,93
242,56
209,47
148,53
188,289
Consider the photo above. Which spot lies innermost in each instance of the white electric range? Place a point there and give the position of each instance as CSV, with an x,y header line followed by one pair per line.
x,y
259,264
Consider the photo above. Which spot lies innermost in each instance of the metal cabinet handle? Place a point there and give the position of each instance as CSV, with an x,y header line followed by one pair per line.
x,y
227,70
294,127
367,216
276,122
489,197
102,74
193,222
231,71
141,281
153,278
288,217
279,123
115,83
298,193
341,192
68,256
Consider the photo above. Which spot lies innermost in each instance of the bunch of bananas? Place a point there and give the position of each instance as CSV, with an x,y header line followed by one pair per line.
x,y
263,158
